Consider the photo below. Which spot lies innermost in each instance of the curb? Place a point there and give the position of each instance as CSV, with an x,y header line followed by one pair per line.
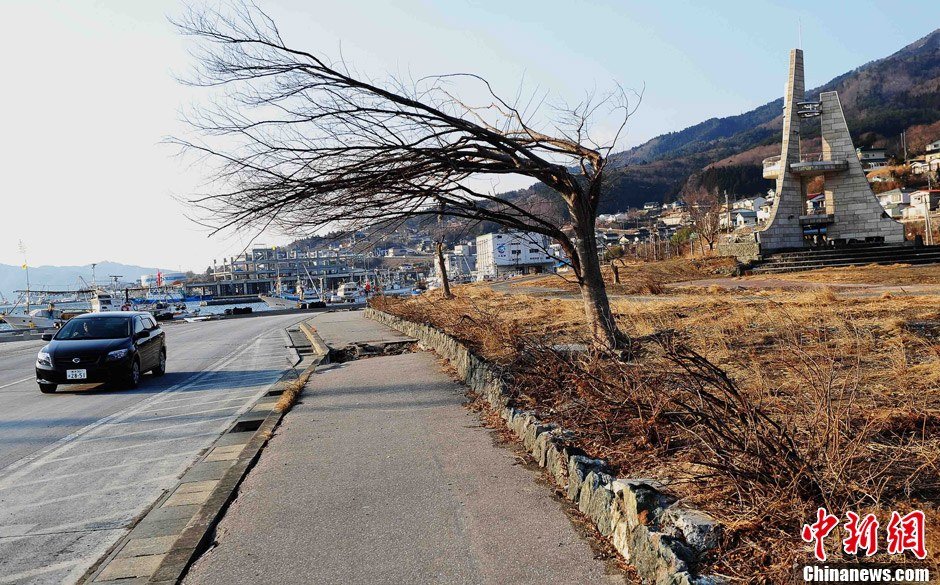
x,y
662,540
180,526
318,345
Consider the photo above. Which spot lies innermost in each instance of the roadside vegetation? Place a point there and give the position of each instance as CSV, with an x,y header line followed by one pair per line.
x,y
292,392
756,407
639,277
890,275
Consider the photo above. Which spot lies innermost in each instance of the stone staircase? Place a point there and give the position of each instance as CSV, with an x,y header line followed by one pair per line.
x,y
856,255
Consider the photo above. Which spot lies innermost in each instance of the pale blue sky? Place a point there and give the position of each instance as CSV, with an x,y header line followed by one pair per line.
x,y
89,89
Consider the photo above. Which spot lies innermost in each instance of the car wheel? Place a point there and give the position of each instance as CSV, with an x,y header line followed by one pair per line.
x,y
47,388
161,365
133,378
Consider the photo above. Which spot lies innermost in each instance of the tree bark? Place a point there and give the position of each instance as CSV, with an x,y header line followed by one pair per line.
x,y
593,290
442,271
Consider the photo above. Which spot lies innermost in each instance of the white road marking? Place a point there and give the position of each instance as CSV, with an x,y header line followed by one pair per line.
x,y
119,488
20,467
36,572
131,447
17,382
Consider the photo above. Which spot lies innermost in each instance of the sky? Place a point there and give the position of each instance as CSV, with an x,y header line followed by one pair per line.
x,y
90,90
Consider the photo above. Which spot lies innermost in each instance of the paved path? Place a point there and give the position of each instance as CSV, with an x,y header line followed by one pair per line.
x,y
78,466
380,475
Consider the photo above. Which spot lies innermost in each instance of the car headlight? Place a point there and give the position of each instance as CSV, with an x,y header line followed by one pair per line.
x,y
44,359
116,354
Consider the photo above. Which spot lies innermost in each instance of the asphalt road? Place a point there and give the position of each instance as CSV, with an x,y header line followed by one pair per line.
x,y
79,466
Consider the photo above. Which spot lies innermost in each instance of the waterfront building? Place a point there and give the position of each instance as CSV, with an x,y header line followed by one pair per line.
x,y
512,253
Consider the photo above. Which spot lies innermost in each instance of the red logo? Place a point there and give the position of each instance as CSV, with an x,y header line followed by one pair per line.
x,y
904,533
860,535
819,530
907,533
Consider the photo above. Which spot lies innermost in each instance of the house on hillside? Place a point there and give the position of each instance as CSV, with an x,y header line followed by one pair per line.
x,y
743,218
918,200
675,218
872,158
894,196
895,202
763,214
919,165
752,203
816,204
932,156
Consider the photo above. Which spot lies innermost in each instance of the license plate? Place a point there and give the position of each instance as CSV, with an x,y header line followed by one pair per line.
x,y
76,374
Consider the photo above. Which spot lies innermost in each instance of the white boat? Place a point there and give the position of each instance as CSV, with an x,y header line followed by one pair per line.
x,y
301,298
395,290
103,301
39,318
349,292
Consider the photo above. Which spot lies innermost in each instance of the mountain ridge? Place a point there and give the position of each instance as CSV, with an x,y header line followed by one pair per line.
x,y
50,277
880,99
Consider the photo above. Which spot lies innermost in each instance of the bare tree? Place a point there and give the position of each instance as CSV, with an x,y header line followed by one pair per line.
x,y
705,212
441,261
305,144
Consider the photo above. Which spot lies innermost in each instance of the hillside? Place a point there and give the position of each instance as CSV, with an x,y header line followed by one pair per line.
x,y
880,99
68,277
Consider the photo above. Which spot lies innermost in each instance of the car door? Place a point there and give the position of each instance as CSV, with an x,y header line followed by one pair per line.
x,y
156,339
143,344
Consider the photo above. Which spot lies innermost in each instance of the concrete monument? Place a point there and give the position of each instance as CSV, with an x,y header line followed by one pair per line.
x,y
852,212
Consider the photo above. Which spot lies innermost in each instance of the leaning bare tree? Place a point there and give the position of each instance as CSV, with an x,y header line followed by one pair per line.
x,y
704,210
305,144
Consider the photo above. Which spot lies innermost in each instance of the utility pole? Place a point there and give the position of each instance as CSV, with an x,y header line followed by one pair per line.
x,y
727,211
904,143
928,231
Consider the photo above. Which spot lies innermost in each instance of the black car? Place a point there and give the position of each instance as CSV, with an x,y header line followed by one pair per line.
x,y
102,347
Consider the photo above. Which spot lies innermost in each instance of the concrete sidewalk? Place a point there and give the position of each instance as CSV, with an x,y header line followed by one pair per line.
x,y
380,475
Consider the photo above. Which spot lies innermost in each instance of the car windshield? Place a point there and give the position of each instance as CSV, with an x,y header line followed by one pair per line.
x,y
107,328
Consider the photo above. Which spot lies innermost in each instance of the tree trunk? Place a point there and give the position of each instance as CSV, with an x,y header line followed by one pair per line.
x,y
593,290
442,271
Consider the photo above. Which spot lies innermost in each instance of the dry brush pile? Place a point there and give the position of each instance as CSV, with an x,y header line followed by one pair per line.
x,y
758,408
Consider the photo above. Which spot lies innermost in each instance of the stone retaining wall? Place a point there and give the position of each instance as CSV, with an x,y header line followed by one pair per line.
x,y
743,251
660,539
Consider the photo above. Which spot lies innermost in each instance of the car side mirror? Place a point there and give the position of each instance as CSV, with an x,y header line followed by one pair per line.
x,y
47,336
141,335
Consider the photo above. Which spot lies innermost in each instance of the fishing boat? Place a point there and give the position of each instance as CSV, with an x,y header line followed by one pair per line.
x,y
303,297
349,292
47,318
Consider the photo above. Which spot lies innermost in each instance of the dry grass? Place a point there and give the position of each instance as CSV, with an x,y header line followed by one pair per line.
x,y
799,400
637,277
292,391
894,274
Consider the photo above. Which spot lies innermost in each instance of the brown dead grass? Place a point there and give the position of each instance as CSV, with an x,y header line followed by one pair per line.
x,y
292,392
890,275
639,277
855,382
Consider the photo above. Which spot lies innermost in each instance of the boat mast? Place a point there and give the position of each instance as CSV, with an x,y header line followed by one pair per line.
x,y
26,268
